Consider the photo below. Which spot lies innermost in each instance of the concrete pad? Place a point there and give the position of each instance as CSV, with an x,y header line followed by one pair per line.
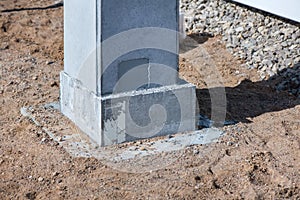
x,y
144,156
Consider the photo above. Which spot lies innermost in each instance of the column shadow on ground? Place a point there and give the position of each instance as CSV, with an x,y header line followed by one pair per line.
x,y
192,41
251,99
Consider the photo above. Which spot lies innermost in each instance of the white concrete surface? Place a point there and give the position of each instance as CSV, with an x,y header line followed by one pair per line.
x,y
127,116
120,80
80,41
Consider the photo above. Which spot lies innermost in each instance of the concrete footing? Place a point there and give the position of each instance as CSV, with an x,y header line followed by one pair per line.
x,y
127,116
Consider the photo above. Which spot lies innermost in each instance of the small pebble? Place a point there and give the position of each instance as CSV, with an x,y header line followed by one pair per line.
x,y
143,148
44,140
59,139
40,179
49,62
196,152
55,174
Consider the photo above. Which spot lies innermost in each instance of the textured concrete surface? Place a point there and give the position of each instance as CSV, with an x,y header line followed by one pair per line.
x,y
89,23
130,115
80,41
120,81
78,145
138,14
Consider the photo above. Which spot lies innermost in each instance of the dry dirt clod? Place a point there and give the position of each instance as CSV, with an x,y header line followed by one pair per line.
x,y
55,174
30,195
54,84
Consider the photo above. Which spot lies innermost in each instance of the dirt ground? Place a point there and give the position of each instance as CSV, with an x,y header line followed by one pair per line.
x,y
258,158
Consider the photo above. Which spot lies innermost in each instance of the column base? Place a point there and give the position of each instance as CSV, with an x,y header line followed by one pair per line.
x,y
128,116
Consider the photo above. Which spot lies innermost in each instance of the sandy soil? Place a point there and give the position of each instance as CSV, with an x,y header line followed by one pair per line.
x,y
258,158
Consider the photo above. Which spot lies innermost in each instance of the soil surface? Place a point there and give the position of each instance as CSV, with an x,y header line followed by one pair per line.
x,y
258,158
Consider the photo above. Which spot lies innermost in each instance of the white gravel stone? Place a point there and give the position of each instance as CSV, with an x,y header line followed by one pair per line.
x,y
266,41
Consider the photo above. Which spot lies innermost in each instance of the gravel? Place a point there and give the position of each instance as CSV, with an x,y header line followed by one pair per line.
x,y
264,42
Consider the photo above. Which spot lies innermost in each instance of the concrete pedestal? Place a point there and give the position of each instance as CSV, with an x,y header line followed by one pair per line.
x,y
128,116
120,80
